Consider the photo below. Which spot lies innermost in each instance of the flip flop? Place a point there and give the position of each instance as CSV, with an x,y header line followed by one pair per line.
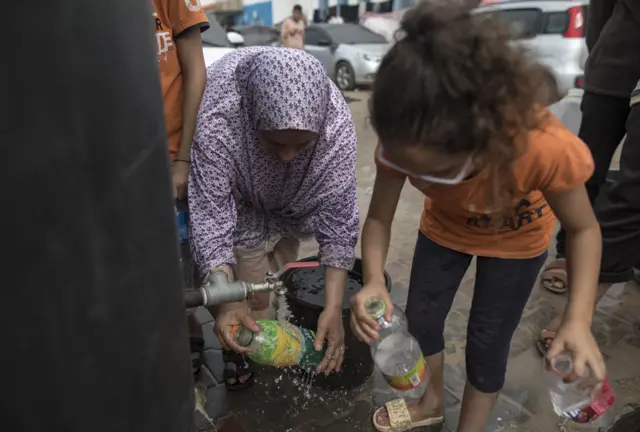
x,y
544,342
554,276
242,369
197,353
400,418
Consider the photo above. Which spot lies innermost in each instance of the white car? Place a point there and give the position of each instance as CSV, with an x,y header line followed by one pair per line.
x,y
216,42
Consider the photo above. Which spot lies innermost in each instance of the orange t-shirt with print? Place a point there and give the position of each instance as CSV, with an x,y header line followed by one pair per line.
x,y
171,19
458,217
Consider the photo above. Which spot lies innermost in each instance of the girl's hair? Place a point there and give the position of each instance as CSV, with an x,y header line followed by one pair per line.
x,y
453,83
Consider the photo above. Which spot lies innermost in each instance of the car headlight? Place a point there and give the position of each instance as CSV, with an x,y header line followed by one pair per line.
x,y
371,58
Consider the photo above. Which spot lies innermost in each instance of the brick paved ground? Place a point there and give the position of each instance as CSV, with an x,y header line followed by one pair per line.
x,y
275,404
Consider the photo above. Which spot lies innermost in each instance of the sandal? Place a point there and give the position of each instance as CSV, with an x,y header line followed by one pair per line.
x,y
554,276
544,342
236,367
400,418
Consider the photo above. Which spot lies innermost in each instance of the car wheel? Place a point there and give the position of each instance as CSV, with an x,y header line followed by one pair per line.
x,y
345,77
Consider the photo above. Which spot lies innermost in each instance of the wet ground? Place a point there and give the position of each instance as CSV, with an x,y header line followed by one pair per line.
x,y
278,402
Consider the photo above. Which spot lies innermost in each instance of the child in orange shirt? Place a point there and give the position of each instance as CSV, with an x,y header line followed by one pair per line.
x,y
455,109
178,24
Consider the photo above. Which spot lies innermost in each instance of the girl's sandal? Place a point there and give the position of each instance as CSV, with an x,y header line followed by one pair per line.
x,y
554,276
544,342
400,418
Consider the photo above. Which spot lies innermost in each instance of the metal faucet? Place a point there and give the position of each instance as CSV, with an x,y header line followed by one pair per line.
x,y
217,288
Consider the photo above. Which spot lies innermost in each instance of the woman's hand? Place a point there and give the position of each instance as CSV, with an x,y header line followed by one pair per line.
x,y
365,327
230,315
330,328
575,336
180,178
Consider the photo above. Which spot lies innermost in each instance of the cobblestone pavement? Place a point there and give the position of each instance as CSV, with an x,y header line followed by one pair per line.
x,y
275,403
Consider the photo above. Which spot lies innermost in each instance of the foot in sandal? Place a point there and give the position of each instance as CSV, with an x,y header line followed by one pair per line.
x,y
554,276
397,416
547,335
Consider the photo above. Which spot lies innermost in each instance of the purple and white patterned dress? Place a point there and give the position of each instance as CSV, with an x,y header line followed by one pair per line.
x,y
242,196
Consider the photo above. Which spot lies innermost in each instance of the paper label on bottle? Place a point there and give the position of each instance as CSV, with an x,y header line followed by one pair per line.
x,y
596,408
412,379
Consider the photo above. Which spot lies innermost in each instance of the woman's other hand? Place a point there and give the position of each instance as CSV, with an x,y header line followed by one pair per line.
x,y
330,328
365,327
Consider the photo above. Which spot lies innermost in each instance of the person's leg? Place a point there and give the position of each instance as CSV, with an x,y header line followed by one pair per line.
x,y
501,292
436,273
251,266
618,211
602,129
286,251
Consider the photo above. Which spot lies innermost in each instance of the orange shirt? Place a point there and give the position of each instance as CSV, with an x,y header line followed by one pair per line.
x,y
171,18
453,216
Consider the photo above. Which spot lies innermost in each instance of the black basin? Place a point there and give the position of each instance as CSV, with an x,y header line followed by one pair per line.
x,y
629,422
305,296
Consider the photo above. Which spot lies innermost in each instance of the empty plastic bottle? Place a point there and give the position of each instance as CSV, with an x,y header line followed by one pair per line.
x,y
279,345
396,353
570,397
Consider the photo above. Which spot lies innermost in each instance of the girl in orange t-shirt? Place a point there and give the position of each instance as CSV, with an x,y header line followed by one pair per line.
x,y
455,109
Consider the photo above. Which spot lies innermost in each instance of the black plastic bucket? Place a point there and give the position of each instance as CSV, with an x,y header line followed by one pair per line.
x,y
629,422
305,296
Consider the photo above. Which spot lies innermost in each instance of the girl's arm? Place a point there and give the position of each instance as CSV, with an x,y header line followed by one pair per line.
x,y
583,250
583,253
377,227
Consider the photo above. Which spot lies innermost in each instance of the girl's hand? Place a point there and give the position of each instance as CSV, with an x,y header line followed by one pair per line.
x,y
365,327
575,336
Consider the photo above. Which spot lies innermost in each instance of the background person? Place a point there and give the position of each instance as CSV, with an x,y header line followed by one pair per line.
x,y
178,24
494,168
292,30
273,162
611,73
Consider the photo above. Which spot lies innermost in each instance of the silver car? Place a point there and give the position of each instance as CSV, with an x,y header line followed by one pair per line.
x,y
552,31
350,53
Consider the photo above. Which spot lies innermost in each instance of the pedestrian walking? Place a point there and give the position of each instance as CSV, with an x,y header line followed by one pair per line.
x,y
273,163
455,109
611,73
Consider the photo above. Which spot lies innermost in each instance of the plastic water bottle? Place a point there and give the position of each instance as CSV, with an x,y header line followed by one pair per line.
x,y
279,345
182,216
570,397
396,353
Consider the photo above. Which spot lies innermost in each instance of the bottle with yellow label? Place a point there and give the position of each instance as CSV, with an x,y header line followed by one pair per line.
x,y
279,344
396,353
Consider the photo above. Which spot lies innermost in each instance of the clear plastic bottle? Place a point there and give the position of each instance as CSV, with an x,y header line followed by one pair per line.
x,y
570,397
396,353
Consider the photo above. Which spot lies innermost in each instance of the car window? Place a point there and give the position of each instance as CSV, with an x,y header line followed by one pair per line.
x,y
521,23
255,36
313,36
215,35
558,22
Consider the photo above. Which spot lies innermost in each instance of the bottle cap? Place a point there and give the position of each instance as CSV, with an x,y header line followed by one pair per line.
x,y
562,365
375,307
244,336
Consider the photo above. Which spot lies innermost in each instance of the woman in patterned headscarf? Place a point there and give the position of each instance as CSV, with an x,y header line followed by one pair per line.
x,y
273,162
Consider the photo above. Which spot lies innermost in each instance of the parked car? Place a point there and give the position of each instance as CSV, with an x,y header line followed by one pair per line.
x,y
351,53
255,35
216,42
553,32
